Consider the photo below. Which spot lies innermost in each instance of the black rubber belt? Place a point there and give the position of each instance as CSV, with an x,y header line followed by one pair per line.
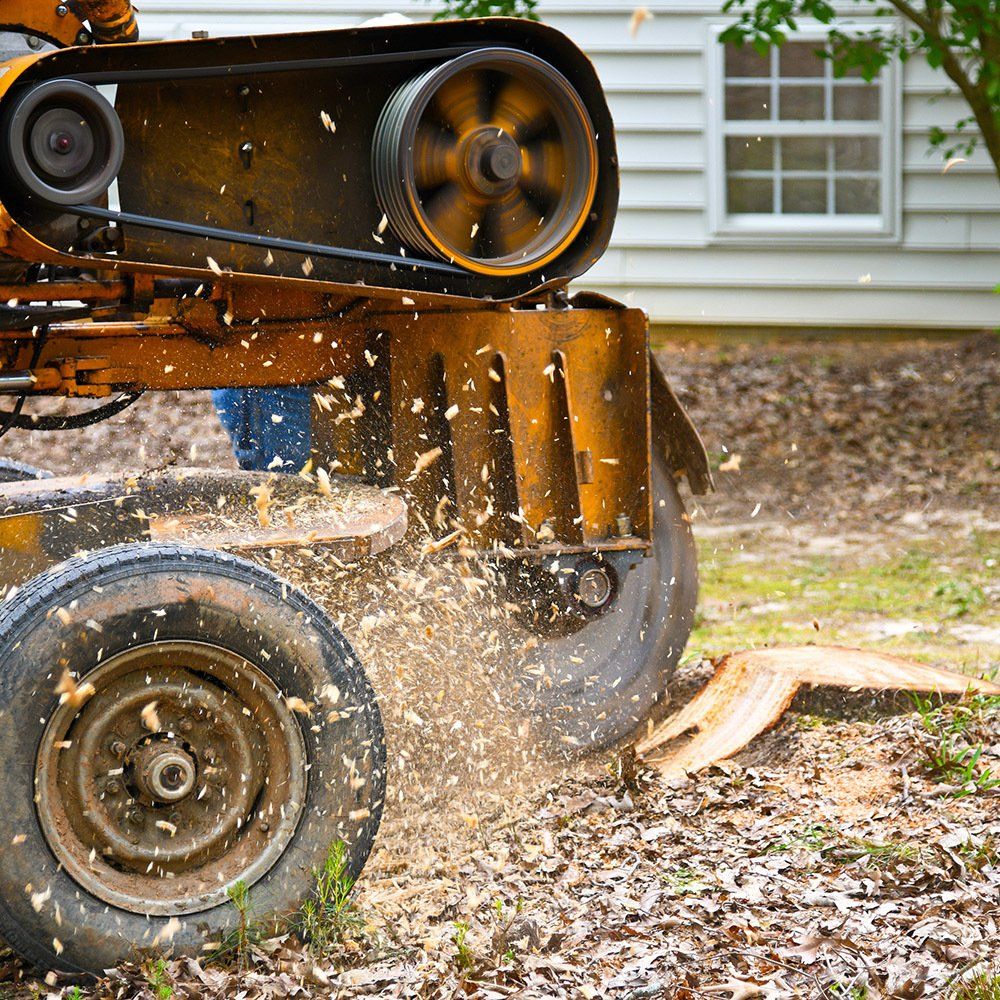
x,y
254,239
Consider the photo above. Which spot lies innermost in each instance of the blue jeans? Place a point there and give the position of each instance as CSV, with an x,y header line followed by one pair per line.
x,y
269,428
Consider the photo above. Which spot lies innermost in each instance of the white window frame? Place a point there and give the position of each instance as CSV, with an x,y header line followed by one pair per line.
x,y
803,228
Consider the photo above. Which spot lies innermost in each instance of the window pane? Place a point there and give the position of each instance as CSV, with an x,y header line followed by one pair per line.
x,y
749,153
803,154
747,103
858,196
800,59
856,153
798,196
856,103
801,103
750,194
742,60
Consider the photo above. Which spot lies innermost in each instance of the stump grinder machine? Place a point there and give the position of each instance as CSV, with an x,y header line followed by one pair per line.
x,y
392,215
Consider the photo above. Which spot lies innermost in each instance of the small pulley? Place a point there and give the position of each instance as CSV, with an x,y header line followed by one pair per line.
x,y
61,143
488,161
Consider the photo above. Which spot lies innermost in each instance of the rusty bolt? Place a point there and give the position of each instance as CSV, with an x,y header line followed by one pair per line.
x,y
185,725
136,816
113,787
83,38
623,525
117,748
264,826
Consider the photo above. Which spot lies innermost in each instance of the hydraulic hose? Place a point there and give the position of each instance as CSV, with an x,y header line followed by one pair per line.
x,y
110,21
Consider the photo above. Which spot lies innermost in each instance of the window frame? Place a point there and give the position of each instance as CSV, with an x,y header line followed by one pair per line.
x,y
804,227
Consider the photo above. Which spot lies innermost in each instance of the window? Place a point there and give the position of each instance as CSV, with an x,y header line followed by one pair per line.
x,y
799,151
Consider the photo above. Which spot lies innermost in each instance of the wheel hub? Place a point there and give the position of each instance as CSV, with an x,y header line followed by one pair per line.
x,y
164,773
183,772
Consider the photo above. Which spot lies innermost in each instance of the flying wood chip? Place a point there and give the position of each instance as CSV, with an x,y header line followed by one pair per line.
x,y
751,690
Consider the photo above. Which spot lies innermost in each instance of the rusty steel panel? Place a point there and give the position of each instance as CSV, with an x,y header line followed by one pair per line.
x,y
490,412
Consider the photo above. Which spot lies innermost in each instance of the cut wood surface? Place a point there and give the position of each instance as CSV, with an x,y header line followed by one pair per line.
x,y
751,690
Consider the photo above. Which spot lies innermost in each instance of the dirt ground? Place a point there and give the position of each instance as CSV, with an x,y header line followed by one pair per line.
x,y
852,852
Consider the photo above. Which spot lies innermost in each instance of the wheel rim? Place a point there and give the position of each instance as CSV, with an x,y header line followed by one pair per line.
x,y
183,773
489,161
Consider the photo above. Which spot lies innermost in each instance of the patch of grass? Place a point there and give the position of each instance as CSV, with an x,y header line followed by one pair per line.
x,y
330,917
159,980
960,597
950,752
775,599
814,837
832,846
685,881
465,957
848,991
985,986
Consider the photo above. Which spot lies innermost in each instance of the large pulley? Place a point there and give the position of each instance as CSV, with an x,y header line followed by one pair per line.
x,y
488,161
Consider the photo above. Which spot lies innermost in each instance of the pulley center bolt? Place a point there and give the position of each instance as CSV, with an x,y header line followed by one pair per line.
x,y
60,142
502,162
594,587
167,775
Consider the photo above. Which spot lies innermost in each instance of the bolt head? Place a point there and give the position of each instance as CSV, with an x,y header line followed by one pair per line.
x,y
113,787
62,10
117,748
185,725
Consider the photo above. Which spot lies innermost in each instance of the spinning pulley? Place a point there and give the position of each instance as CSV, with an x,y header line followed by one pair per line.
x,y
488,160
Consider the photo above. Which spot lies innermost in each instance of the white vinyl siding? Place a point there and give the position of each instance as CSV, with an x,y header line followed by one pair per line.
x,y
936,268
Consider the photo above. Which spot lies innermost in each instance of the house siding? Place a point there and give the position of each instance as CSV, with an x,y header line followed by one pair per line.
x,y
938,269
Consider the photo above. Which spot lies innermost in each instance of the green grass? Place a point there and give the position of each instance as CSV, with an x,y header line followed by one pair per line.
x,y
159,980
983,987
330,916
780,597
951,747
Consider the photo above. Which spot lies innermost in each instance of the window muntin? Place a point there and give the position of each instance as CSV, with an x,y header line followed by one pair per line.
x,y
798,142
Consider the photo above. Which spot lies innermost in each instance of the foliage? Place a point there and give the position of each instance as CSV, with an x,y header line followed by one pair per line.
x,y
465,958
949,753
489,8
159,981
239,942
960,38
982,987
330,916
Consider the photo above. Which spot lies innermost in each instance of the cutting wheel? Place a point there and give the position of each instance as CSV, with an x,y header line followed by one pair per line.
x,y
488,161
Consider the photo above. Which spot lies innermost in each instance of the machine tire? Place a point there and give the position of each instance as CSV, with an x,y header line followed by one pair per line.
x,y
17,472
128,603
605,680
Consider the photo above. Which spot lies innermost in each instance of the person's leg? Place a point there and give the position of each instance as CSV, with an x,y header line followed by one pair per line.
x,y
269,428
